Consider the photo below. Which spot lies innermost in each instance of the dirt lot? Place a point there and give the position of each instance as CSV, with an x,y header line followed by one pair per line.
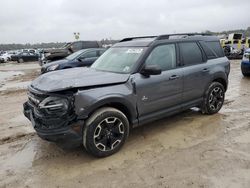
x,y
187,150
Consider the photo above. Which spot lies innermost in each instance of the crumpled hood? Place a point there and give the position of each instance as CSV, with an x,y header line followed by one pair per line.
x,y
75,78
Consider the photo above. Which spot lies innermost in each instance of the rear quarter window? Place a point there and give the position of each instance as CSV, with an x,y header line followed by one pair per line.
x,y
215,47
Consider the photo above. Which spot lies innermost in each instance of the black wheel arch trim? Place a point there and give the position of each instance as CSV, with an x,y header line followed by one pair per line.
x,y
116,102
220,77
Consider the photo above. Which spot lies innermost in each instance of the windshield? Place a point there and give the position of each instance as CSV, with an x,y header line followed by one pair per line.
x,y
119,60
74,55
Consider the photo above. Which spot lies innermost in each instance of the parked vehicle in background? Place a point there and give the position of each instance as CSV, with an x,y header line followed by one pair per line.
x,y
235,45
245,63
136,81
4,57
67,49
25,57
81,58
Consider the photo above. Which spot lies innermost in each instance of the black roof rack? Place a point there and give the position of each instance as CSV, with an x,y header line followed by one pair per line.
x,y
162,37
132,38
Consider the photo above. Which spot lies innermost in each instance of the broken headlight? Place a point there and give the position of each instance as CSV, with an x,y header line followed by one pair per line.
x,y
54,105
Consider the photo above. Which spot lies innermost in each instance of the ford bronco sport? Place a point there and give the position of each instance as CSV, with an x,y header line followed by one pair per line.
x,y
138,80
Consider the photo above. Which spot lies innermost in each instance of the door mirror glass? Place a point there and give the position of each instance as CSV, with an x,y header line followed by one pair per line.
x,y
151,70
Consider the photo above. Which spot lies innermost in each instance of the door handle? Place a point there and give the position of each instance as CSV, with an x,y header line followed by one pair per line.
x,y
205,70
173,77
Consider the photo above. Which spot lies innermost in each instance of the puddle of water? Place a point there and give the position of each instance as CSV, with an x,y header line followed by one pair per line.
x,y
4,75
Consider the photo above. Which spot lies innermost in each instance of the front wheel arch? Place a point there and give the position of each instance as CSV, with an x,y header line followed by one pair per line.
x,y
119,104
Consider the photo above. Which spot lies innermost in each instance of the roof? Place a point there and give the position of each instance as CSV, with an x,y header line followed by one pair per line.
x,y
145,41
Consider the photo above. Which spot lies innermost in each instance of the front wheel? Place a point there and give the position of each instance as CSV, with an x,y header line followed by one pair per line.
x,y
105,132
214,98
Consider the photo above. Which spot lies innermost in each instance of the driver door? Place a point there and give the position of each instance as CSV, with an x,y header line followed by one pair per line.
x,y
160,93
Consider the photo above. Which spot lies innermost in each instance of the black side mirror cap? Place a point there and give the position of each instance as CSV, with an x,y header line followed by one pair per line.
x,y
151,70
80,59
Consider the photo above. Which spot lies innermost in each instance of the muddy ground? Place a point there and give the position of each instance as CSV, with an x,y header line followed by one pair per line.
x,y
186,150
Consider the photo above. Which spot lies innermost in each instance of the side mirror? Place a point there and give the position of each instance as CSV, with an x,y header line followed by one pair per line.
x,y
80,59
150,70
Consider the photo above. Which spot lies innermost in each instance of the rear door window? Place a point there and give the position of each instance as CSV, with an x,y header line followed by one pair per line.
x,y
190,53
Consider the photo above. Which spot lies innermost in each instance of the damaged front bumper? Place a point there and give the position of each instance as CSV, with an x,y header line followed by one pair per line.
x,y
65,131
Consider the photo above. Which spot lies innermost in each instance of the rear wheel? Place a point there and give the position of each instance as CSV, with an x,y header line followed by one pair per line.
x,y
105,132
214,98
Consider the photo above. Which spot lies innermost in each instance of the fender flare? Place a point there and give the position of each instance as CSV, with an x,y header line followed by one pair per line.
x,y
126,106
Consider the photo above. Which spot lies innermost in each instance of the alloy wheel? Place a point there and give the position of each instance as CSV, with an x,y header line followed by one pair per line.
x,y
108,134
216,98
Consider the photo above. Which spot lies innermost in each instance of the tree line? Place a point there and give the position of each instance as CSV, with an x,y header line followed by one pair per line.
x,y
103,41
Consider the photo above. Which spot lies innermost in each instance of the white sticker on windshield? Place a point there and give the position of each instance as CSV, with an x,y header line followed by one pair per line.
x,y
134,51
126,69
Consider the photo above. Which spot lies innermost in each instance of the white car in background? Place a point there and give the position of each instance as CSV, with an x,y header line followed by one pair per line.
x,y
5,57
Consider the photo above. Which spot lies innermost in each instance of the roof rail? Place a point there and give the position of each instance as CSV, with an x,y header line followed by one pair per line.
x,y
132,38
162,37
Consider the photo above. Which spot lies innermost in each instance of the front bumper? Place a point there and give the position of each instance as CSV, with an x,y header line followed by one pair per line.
x,y
69,135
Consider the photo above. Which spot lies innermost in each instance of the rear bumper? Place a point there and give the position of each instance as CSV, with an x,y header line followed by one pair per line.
x,y
69,135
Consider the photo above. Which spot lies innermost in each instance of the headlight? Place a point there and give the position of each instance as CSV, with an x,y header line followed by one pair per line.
x,y
246,57
52,67
54,105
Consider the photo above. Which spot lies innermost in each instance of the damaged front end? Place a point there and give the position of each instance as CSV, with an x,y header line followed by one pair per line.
x,y
52,116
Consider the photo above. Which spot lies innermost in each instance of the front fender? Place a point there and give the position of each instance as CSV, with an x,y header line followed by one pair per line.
x,y
87,101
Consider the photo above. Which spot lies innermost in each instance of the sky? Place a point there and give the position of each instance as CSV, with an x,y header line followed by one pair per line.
x,y
35,21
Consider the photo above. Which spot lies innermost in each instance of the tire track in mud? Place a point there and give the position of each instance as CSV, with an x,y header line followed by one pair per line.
x,y
17,137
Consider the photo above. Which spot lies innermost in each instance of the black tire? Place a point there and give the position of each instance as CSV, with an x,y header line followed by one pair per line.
x,y
20,60
213,99
105,132
246,74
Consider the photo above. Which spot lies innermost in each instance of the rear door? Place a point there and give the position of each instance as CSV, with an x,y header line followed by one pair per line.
x,y
159,93
195,71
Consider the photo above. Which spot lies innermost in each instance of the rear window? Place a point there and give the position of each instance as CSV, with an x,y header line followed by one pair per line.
x,y
191,53
215,47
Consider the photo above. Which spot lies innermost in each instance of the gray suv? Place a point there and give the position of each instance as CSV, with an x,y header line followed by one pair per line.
x,y
137,81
